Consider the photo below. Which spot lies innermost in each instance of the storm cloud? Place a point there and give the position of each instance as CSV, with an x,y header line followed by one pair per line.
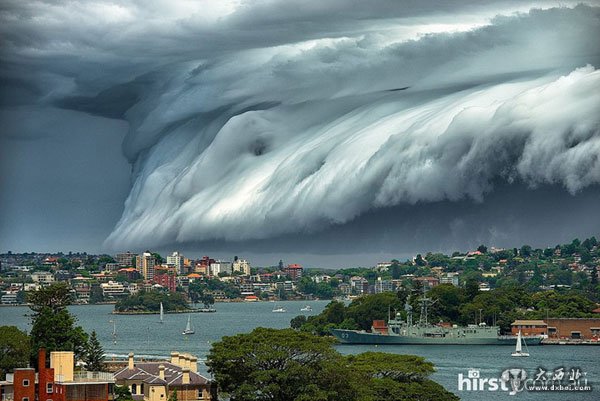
x,y
279,120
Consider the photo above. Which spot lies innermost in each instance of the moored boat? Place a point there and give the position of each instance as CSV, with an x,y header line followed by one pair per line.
x,y
399,331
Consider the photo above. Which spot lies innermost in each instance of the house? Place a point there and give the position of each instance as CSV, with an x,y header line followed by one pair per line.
x,y
59,382
42,277
156,381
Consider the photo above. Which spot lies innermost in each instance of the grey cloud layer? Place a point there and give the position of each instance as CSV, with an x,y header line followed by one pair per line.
x,y
251,120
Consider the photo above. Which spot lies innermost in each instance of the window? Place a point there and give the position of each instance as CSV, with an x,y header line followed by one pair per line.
x,y
25,399
26,384
49,388
134,388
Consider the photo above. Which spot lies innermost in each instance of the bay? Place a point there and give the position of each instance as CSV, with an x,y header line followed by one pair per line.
x,y
144,335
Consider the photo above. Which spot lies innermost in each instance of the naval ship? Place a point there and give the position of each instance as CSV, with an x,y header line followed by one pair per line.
x,y
399,331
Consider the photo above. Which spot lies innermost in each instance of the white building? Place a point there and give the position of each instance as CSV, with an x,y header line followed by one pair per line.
x,y
241,265
450,278
176,260
220,267
112,289
42,277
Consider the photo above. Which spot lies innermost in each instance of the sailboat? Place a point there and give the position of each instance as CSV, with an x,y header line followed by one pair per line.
x,y
188,328
307,308
518,351
162,313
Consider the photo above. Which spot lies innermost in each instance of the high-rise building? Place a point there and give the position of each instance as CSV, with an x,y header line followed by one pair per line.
x,y
176,261
220,267
125,259
145,265
241,265
294,271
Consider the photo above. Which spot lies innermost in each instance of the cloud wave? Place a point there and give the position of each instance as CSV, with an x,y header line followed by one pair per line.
x,y
298,137
250,120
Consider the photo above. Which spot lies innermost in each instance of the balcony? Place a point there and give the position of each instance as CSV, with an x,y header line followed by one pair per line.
x,y
88,377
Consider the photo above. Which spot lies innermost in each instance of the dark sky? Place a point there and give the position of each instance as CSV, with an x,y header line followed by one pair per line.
x,y
327,133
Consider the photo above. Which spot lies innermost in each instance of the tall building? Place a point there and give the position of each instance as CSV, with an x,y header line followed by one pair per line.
x,y
220,267
125,259
145,265
294,271
241,265
176,261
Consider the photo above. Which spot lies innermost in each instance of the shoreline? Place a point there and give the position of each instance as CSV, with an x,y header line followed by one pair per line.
x,y
165,312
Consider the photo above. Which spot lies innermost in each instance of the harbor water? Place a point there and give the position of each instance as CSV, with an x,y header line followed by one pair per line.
x,y
144,335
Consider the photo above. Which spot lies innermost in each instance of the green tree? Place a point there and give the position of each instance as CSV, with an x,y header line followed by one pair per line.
x,y
281,365
471,288
14,349
173,396
56,296
94,354
122,393
297,322
52,325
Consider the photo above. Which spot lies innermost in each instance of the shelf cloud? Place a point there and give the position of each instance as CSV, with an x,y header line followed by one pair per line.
x,y
252,121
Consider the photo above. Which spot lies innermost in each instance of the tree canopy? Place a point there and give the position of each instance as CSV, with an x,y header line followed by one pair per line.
x,y
14,349
287,365
94,354
52,325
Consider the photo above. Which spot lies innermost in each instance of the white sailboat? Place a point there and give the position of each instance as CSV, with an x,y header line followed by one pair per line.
x,y
307,308
162,313
188,328
518,349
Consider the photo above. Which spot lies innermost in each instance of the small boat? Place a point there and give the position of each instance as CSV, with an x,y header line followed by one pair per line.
x,y
279,309
162,313
518,350
307,308
188,328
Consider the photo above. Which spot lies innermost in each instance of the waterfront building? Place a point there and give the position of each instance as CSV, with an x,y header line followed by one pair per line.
x,y
529,327
112,289
176,260
145,265
574,328
294,271
158,380
59,382
10,298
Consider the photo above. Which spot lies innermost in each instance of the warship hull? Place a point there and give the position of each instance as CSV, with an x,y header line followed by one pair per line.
x,y
360,337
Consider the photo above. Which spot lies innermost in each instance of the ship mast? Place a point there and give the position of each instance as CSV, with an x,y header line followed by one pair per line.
x,y
408,310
